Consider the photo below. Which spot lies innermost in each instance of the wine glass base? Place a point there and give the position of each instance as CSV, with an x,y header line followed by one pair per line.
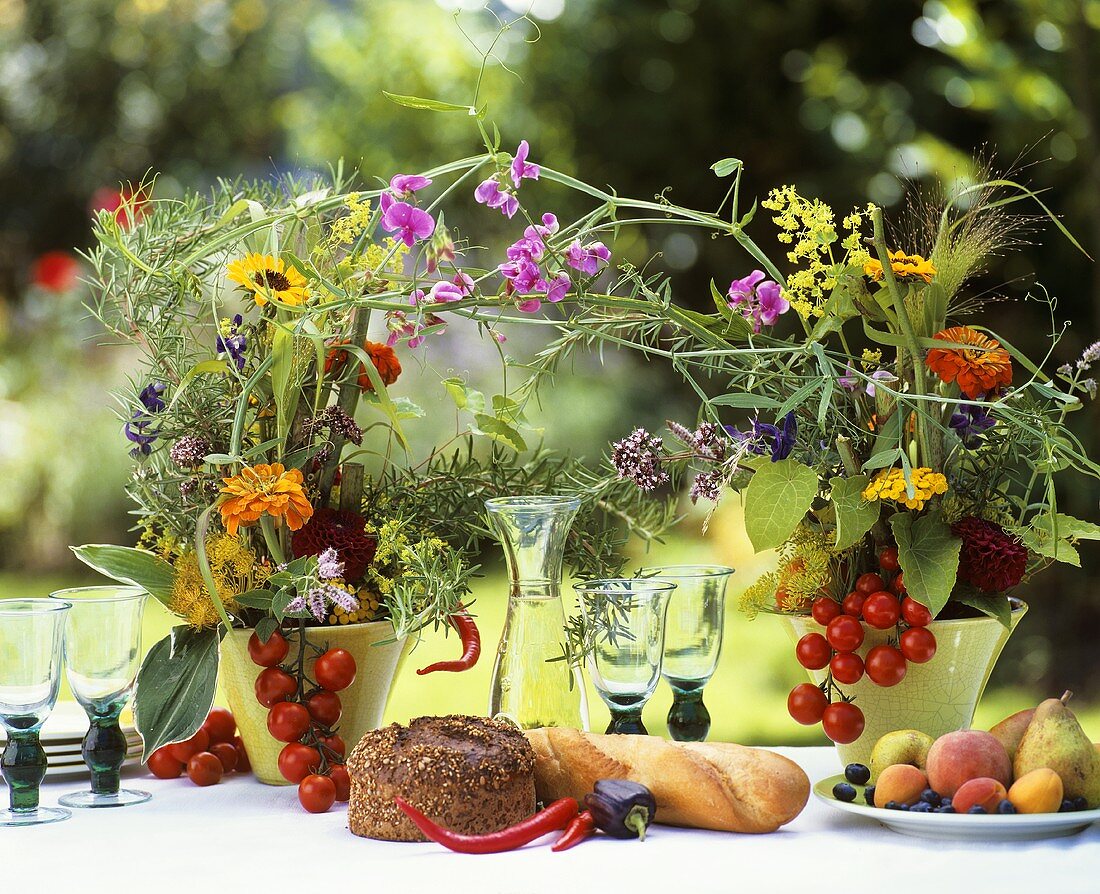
x,y
33,817
124,797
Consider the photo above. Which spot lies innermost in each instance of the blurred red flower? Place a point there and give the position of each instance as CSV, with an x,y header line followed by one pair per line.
x,y
127,206
55,271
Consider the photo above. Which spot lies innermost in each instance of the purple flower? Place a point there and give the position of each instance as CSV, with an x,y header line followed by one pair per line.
x,y
521,168
329,567
780,438
758,299
587,258
638,457
524,276
848,381
465,283
409,222
406,184
444,291
401,327
231,342
137,430
880,375
317,599
558,287
706,486
151,399
491,195
970,423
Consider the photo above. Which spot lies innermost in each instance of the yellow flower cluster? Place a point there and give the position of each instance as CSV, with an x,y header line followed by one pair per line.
x,y
871,359
805,567
395,552
234,569
347,229
809,227
368,610
890,484
904,267
381,258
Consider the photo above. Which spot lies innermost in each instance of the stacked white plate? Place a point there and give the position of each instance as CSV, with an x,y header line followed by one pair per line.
x,y
63,734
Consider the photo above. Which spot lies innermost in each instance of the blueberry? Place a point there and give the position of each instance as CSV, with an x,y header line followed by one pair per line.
x,y
869,795
1066,807
931,797
844,792
1006,806
1080,804
977,808
857,774
921,807
894,805
947,809
945,802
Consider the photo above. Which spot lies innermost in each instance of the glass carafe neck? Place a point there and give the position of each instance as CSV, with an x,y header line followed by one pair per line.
x,y
533,532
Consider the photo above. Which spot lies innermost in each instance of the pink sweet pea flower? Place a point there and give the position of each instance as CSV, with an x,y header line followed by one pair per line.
x,y
410,223
559,287
530,306
465,283
490,194
444,291
521,168
405,185
757,299
587,258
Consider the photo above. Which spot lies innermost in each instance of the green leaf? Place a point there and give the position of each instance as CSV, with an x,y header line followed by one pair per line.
x,y
745,400
997,607
428,105
776,500
256,599
881,460
1055,537
282,374
204,367
465,398
854,515
265,627
406,409
726,166
175,687
929,555
498,430
137,567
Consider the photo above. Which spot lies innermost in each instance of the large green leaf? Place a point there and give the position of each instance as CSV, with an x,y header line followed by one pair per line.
x,y
994,606
854,515
175,687
776,500
929,555
127,565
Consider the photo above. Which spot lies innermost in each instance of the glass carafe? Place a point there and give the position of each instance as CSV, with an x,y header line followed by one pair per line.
x,y
529,688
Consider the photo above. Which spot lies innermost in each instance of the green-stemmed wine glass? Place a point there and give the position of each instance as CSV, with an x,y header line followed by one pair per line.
x,y
628,620
31,633
693,642
102,653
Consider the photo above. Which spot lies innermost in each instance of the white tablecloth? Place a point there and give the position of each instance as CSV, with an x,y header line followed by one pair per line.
x,y
244,836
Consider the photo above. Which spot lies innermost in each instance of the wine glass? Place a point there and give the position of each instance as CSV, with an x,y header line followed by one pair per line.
x,y
102,653
693,642
31,633
627,617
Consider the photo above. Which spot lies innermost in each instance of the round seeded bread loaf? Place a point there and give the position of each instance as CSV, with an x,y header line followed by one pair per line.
x,y
469,774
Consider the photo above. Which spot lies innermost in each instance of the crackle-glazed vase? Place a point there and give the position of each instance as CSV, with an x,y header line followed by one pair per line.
x,y
936,697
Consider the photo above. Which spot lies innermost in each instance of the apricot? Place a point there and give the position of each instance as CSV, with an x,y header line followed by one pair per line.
x,y
968,754
902,783
1039,791
982,792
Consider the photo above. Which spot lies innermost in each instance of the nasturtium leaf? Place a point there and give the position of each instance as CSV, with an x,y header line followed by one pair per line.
x,y
137,567
929,555
994,605
498,430
175,686
854,515
776,500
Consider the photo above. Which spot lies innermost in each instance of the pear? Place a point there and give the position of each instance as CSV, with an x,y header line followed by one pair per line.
x,y
1011,730
1055,739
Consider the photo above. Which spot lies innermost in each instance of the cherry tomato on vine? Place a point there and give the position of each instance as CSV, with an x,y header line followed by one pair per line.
x,y
897,585
317,793
163,765
288,721
806,704
918,644
881,610
188,748
845,633
339,776
813,651
885,666
915,614
853,604
335,670
270,653
324,707
297,761
334,743
870,583
204,768
227,754
273,686
888,559
243,763
847,667
843,722
220,725
825,609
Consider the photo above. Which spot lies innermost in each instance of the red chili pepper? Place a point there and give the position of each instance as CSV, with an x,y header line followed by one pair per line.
x,y
583,825
549,819
471,645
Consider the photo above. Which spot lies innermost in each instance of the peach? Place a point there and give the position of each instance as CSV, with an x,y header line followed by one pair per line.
x,y
968,754
1039,791
982,792
903,783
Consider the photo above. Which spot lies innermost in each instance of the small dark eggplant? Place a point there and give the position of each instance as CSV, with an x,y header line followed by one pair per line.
x,y
621,808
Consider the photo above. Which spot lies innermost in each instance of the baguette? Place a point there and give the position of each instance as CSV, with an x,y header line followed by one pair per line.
x,y
729,788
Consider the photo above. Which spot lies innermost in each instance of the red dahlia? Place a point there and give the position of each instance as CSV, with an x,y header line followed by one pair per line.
x,y
991,559
344,532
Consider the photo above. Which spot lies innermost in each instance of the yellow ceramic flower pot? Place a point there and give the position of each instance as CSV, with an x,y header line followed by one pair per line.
x,y
363,701
936,697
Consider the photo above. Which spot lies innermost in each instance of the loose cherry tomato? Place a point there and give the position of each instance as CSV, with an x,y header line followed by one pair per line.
x,y
317,793
220,725
204,768
324,707
915,614
188,748
268,654
870,583
227,754
335,670
825,609
918,644
843,722
338,773
274,686
334,743
163,765
845,633
888,559
243,763
806,704
287,721
881,610
885,666
897,585
813,651
297,761
847,667
853,604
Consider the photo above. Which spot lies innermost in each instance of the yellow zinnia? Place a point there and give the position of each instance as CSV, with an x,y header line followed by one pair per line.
x,y
264,490
267,277
904,267
889,484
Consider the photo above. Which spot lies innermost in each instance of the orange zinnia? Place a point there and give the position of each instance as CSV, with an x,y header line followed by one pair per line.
x,y
979,369
264,490
382,356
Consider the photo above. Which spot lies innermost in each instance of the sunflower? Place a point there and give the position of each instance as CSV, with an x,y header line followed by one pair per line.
x,y
264,490
904,267
268,277
979,369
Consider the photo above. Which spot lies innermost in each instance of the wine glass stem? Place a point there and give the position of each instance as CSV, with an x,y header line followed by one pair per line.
x,y
627,722
104,752
688,718
24,767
